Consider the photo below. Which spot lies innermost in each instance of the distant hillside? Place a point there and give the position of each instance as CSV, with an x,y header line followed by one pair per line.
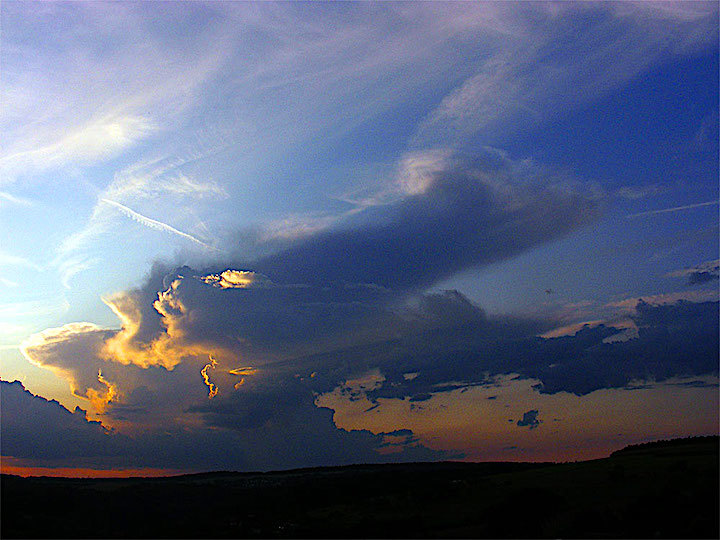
x,y
667,489
680,444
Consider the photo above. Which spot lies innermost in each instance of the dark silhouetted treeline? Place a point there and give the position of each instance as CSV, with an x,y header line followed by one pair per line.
x,y
684,445
668,489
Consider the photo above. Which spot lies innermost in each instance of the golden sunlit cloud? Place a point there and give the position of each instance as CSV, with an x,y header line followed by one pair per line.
x,y
124,347
213,389
629,305
101,365
235,279
100,400
571,329
243,371
48,349
166,349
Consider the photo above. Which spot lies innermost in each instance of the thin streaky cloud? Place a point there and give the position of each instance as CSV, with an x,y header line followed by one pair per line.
x,y
4,196
147,178
154,224
673,209
7,259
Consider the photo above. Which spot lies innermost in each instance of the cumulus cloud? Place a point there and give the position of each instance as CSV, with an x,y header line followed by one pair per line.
x,y
275,346
125,374
628,306
348,285
672,340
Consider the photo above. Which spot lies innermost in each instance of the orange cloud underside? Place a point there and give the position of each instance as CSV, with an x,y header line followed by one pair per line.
x,y
8,467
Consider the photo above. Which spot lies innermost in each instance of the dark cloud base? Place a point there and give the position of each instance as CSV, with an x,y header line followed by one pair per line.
x,y
674,340
43,433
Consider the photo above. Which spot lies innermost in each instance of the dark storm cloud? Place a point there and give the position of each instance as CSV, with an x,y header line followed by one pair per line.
x,y
272,334
275,320
350,285
33,427
673,340
442,339
345,286
279,413
44,433
472,212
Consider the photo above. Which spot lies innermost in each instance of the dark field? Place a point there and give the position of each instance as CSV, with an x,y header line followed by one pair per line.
x,y
661,490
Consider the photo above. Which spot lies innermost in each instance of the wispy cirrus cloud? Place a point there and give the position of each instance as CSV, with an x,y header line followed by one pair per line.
x,y
161,183
96,140
76,114
8,259
534,75
673,209
13,199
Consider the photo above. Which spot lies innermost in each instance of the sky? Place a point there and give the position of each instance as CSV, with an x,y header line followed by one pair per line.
x,y
256,236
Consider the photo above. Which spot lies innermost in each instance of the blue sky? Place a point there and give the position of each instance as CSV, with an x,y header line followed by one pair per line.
x,y
550,162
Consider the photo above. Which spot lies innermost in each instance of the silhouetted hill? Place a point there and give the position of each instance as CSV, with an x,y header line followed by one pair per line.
x,y
686,445
667,489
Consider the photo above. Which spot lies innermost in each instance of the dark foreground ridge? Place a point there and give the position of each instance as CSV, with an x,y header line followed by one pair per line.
x,y
667,489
